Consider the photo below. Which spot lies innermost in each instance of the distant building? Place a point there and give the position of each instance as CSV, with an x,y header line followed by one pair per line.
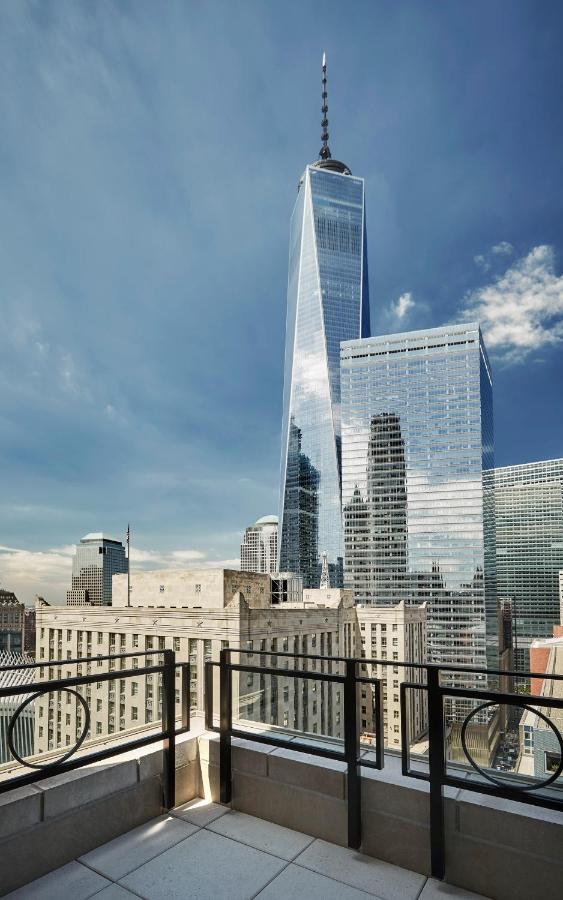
x,y
259,548
417,431
394,633
528,526
540,748
98,558
12,617
29,631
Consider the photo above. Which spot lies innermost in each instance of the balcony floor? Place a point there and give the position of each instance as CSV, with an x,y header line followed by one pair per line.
x,y
208,851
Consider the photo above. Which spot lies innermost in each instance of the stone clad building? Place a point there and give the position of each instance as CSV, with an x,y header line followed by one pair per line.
x,y
196,613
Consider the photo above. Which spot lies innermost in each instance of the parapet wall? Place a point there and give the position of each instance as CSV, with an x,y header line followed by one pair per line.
x,y
503,850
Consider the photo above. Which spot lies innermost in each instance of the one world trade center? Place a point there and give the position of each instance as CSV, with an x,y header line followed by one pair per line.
x,y
327,302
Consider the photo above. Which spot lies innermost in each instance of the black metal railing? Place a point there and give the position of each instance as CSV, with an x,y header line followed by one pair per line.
x,y
438,696
41,768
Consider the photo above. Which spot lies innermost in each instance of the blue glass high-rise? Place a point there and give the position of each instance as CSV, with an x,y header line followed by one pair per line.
x,y
327,302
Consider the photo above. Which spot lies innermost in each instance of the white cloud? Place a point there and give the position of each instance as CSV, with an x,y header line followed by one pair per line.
x,y
503,249
481,262
403,305
521,310
29,572
145,556
187,555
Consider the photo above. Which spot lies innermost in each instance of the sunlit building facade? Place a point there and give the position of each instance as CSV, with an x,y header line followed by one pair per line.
x,y
327,302
528,522
417,431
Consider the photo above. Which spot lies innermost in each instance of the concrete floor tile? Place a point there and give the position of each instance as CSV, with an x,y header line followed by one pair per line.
x,y
360,871
262,835
439,890
200,812
131,850
115,892
205,865
297,882
71,881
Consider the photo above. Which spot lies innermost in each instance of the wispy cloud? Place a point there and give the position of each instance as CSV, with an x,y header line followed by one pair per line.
x,y
503,249
521,310
481,262
403,305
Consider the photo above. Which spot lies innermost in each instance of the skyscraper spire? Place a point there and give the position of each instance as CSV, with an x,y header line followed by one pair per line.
x,y
325,150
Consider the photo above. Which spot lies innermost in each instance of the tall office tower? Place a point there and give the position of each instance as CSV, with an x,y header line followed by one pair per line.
x,y
528,523
327,302
417,431
98,557
259,548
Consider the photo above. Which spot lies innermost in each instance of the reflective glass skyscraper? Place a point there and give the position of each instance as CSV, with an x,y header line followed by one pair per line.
x,y
417,432
528,523
327,302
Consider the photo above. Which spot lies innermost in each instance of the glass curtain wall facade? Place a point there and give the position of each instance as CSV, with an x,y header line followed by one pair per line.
x,y
528,520
417,431
327,303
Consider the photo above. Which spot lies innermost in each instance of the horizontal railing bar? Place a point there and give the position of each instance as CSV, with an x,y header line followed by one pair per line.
x,y
80,659
394,662
289,653
286,673
506,793
284,744
501,697
59,684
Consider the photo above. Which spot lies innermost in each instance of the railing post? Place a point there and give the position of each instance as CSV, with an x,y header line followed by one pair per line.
x,y
352,754
378,724
208,699
437,771
169,728
225,726
186,695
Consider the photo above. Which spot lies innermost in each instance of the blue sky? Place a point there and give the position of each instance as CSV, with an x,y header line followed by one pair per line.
x,y
149,157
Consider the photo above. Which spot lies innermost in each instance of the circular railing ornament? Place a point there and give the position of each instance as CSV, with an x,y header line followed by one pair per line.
x,y
76,746
499,782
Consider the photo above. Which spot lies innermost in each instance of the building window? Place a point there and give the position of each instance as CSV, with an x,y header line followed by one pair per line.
x,y
135,640
198,588
176,644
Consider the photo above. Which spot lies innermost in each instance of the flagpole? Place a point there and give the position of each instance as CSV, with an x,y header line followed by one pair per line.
x,y
128,565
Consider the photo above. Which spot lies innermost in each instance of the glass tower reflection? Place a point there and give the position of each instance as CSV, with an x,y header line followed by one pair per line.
x,y
417,432
327,303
